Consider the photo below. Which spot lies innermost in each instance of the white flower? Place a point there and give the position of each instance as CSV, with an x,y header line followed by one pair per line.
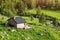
x,y
22,35
13,30
27,38
42,34
5,33
2,36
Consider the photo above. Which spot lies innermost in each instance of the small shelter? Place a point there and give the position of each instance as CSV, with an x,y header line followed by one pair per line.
x,y
17,21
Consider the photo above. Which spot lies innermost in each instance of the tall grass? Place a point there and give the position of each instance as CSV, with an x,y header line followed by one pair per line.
x,y
17,7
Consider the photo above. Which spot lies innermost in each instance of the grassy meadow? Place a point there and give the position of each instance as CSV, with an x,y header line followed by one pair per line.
x,y
37,31
34,12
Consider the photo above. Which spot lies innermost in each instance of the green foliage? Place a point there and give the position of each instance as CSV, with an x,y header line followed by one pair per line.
x,y
20,8
55,22
7,9
38,12
42,18
28,8
17,7
36,32
52,13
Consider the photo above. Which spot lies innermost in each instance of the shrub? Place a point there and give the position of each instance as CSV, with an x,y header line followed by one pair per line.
x,y
42,18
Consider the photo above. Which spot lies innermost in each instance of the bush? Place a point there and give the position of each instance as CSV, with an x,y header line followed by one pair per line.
x,y
42,18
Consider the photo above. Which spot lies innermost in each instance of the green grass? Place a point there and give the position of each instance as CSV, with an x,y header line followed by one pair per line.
x,y
36,32
52,13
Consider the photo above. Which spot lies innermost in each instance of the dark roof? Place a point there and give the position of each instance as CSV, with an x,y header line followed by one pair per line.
x,y
19,20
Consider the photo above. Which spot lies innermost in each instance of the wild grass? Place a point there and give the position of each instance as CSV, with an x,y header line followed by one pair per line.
x,y
36,32
53,13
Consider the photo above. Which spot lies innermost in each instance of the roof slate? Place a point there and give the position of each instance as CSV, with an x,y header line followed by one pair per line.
x,y
19,20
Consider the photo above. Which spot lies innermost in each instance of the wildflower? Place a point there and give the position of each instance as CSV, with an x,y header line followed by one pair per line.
x,y
13,30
